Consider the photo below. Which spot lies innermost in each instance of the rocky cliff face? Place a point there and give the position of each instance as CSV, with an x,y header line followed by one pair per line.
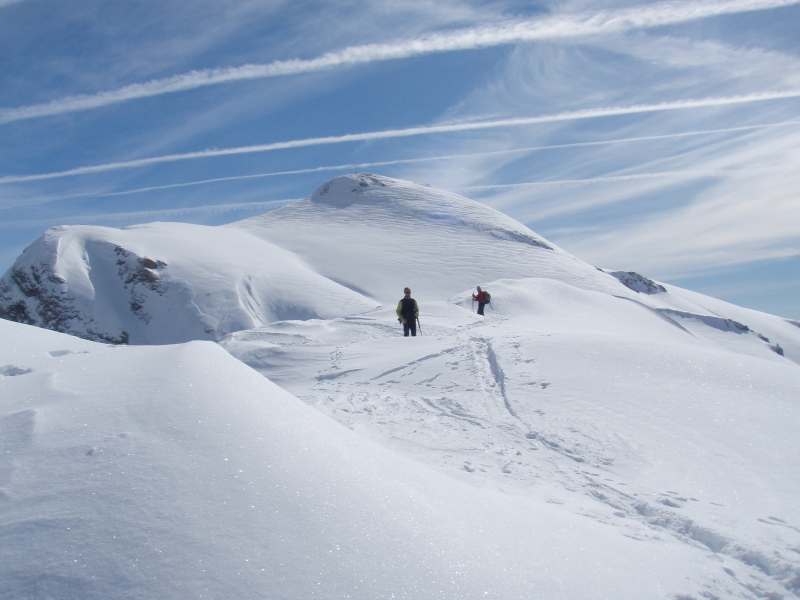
x,y
637,283
34,293
30,294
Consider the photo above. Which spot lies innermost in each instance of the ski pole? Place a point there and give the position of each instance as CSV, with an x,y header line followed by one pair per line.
x,y
420,326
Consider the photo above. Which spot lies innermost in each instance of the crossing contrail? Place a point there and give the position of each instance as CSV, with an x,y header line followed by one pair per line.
x,y
589,113
612,179
553,27
403,161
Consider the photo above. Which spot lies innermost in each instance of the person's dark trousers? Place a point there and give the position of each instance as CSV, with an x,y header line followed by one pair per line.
x,y
410,326
480,307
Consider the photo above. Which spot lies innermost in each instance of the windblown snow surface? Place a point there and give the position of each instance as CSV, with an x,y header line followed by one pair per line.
x,y
596,435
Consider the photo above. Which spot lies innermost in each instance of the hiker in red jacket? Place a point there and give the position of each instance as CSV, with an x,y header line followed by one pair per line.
x,y
480,297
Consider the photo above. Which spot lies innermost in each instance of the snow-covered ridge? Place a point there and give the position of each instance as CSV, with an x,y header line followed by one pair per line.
x,y
355,242
352,245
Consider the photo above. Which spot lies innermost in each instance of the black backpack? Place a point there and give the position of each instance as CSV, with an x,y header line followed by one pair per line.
x,y
408,308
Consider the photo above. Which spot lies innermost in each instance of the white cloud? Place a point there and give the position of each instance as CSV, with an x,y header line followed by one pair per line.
x,y
561,26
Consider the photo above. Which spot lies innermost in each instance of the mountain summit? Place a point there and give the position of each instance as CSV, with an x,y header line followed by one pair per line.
x,y
376,235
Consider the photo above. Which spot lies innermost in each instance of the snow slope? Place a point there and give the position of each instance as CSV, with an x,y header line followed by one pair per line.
x,y
178,472
607,407
597,434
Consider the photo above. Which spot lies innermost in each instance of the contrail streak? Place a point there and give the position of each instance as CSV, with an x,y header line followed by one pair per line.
x,y
403,161
612,179
590,113
554,27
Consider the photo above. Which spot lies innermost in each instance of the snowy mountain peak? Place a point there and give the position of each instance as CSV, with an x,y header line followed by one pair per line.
x,y
405,200
376,235
338,187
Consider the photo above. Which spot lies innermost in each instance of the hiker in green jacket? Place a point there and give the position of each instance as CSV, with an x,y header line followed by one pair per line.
x,y
407,313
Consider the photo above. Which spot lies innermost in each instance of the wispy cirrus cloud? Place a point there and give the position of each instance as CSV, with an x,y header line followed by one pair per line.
x,y
734,223
555,27
590,113
428,159
151,214
687,174
748,215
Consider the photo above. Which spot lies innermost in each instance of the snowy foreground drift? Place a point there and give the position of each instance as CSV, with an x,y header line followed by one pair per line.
x,y
176,471
598,435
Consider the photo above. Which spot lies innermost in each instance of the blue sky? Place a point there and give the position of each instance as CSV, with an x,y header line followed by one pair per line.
x,y
659,137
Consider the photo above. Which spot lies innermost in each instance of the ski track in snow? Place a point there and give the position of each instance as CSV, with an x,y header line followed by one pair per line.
x,y
470,400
